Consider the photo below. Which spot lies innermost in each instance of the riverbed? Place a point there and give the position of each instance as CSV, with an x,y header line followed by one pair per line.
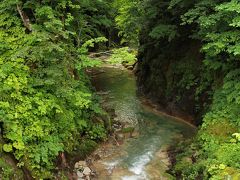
x,y
142,156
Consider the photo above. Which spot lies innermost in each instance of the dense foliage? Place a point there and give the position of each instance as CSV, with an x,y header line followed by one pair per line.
x,y
46,105
127,18
190,49
123,56
217,27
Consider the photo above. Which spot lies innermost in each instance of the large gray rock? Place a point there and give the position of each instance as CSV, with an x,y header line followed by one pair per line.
x,y
80,165
80,174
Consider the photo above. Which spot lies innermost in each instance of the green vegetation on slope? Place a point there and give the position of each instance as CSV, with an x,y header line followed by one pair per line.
x,y
123,56
46,104
189,56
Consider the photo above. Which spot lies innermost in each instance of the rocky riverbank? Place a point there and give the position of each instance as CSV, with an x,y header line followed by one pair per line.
x,y
96,166
137,147
100,165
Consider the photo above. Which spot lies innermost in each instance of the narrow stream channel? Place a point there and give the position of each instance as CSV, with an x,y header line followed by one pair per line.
x,y
155,130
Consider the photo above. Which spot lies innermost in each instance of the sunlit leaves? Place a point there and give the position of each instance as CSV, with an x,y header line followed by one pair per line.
x,y
44,98
7,147
128,20
123,55
232,6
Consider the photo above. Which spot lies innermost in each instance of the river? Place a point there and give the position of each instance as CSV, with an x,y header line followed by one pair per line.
x,y
140,157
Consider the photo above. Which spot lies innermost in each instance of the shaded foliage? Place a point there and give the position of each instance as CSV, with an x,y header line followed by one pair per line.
x,y
169,69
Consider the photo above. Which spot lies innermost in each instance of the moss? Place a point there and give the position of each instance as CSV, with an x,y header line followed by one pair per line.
x,y
85,148
221,130
232,172
128,130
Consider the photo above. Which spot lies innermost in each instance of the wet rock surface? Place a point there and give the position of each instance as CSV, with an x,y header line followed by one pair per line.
x,y
83,171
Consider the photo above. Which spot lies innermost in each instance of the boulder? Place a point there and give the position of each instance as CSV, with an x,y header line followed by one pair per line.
x,y
80,174
80,165
87,171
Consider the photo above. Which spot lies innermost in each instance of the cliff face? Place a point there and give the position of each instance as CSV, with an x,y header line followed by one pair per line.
x,y
168,73
189,64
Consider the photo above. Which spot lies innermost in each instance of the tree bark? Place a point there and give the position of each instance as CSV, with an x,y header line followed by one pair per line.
x,y
25,18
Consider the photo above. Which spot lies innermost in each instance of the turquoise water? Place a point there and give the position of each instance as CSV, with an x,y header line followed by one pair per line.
x,y
155,130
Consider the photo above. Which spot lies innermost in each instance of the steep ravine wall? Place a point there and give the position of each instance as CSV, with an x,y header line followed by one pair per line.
x,y
188,64
166,74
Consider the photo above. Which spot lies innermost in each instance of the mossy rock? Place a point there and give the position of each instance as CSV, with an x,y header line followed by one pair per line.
x,y
158,170
128,130
233,173
221,130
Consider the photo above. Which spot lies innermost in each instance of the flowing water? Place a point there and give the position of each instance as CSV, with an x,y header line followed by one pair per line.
x,y
138,158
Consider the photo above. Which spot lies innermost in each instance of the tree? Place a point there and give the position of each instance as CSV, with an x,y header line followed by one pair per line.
x,y
46,105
